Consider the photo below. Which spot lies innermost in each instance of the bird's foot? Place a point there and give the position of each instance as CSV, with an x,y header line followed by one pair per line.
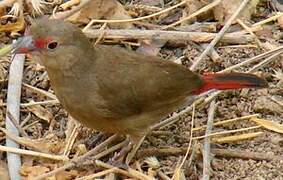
x,y
127,153
119,164
118,159
123,152
134,150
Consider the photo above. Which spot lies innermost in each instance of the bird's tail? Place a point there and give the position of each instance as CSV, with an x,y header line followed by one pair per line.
x,y
223,81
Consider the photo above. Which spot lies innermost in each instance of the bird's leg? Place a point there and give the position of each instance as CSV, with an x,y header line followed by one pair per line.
x,y
136,141
128,151
122,153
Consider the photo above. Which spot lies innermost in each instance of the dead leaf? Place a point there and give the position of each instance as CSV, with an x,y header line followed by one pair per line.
x,y
278,74
233,138
69,4
66,175
192,7
265,31
41,112
100,9
49,144
151,47
2,11
280,21
226,8
179,174
80,150
4,174
271,125
5,50
29,172
279,7
19,25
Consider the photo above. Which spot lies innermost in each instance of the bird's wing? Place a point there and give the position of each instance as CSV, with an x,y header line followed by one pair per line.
x,y
133,83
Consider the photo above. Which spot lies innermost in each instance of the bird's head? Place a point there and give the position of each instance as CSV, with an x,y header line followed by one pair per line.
x,y
51,39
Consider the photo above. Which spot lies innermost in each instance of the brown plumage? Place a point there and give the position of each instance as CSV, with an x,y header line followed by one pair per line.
x,y
111,89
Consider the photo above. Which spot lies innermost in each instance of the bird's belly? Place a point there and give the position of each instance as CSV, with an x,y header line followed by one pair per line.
x,y
99,119
88,109
93,118
98,123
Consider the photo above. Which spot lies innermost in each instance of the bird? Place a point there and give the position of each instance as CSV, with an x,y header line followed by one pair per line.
x,y
112,89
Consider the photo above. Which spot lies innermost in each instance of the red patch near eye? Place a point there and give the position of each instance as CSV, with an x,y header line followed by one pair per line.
x,y
23,50
41,43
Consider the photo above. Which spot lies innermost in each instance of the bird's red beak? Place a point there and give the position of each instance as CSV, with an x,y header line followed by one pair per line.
x,y
24,45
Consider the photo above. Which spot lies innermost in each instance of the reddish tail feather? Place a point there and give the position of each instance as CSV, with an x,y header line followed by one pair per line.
x,y
223,81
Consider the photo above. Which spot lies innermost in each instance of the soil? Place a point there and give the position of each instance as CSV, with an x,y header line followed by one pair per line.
x,y
49,124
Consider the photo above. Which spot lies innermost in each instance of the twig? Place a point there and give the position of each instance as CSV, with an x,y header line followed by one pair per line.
x,y
139,175
265,62
30,125
227,121
99,174
25,120
219,35
71,139
226,132
253,59
198,12
206,149
102,32
143,7
233,138
162,175
257,26
213,53
180,36
78,160
135,19
249,30
48,102
130,173
227,153
238,46
33,153
6,3
13,106
178,169
69,4
273,98
22,140
112,149
16,124
66,14
40,91
111,176
272,18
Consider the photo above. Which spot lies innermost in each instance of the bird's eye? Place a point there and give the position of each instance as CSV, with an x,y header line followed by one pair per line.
x,y
52,45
